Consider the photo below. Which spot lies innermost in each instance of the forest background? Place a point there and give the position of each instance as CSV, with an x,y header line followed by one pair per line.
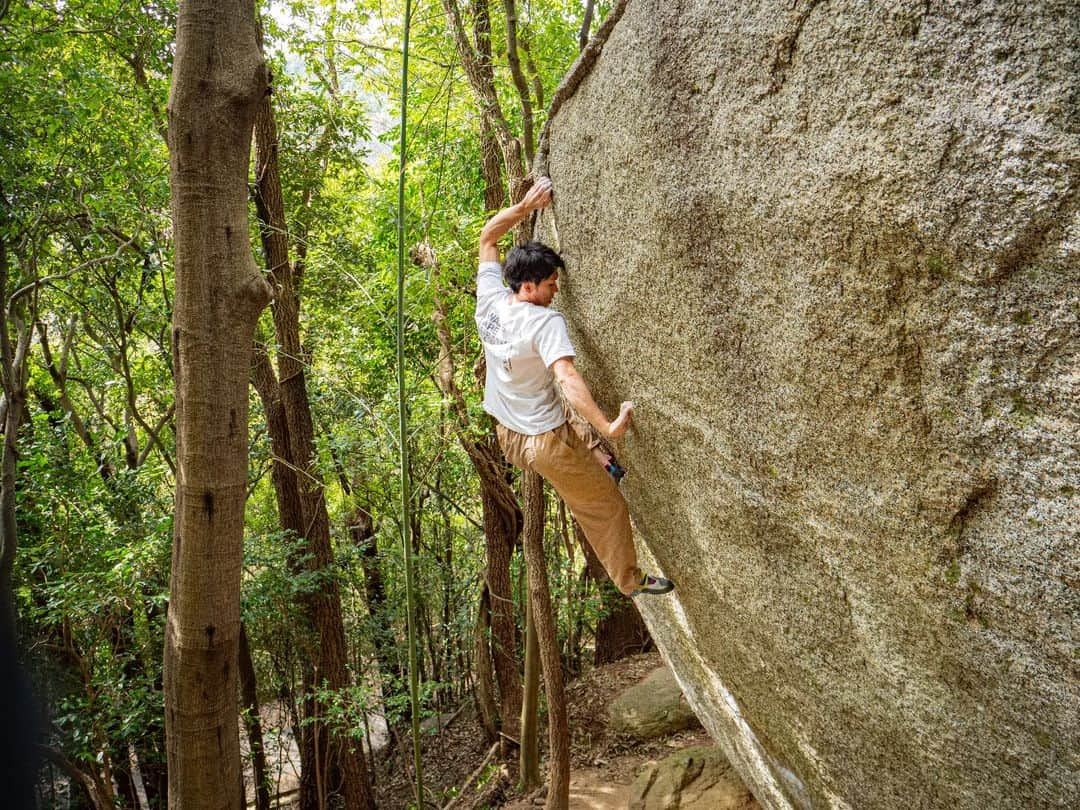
x,y
89,466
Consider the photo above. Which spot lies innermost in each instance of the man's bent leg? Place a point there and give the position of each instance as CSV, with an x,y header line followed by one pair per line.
x,y
562,458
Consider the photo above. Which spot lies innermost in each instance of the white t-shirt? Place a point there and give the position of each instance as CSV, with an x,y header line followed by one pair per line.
x,y
521,341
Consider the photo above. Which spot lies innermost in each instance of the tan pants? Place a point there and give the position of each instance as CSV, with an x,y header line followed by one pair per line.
x,y
564,459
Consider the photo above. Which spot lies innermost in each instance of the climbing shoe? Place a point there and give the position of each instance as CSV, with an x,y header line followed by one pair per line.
x,y
653,585
615,469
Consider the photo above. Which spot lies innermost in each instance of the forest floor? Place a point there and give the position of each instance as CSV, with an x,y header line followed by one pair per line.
x,y
603,765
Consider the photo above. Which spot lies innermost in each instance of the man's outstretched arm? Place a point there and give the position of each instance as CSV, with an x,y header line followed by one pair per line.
x,y
539,196
578,395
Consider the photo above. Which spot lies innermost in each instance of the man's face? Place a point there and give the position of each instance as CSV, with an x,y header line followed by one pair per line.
x,y
543,293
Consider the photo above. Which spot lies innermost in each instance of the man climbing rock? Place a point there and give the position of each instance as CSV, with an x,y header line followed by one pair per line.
x,y
527,348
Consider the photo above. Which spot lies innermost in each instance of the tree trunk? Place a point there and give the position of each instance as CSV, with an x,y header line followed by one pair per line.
x,y
499,537
344,772
291,519
13,376
491,168
518,75
586,24
249,691
94,791
218,79
58,373
530,703
15,396
558,796
380,630
502,523
478,68
446,570
151,748
577,624
485,701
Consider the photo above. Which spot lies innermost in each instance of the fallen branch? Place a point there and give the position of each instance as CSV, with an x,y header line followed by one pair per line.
x,y
444,726
473,777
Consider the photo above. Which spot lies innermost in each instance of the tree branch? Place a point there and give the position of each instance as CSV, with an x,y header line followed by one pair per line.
x,y
58,373
586,24
90,783
481,79
519,77
156,442
34,285
534,74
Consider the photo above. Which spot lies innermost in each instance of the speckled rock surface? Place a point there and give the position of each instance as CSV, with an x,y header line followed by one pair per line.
x,y
698,778
832,250
655,707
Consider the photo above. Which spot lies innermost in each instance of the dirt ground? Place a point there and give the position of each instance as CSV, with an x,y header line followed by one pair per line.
x,y
603,766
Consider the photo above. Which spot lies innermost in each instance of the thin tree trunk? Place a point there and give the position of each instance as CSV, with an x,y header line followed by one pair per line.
x,y
518,75
485,701
558,796
501,515
282,476
58,373
502,523
13,377
481,76
578,624
534,74
291,519
586,24
491,168
99,797
530,703
361,530
249,691
218,79
446,570
346,771
491,161
499,537
15,396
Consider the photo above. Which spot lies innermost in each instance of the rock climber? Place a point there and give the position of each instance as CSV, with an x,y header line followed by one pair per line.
x,y
527,348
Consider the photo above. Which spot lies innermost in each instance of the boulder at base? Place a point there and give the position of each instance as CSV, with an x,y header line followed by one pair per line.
x,y
698,778
832,253
653,708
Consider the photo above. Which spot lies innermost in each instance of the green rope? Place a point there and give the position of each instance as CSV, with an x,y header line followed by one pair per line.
x,y
403,435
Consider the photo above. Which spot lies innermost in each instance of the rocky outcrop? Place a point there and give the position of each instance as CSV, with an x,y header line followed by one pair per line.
x,y
698,778
653,708
832,251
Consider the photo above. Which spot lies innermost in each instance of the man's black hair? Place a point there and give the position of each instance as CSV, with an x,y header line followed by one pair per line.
x,y
533,261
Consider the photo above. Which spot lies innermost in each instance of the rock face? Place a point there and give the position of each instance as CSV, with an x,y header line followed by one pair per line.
x,y
832,251
653,708
698,778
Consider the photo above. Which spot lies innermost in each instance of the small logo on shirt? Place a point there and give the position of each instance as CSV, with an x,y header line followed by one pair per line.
x,y
491,328
491,333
